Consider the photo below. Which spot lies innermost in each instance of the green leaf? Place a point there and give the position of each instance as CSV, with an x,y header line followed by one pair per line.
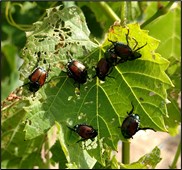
x,y
58,155
148,161
103,105
143,80
9,69
61,33
170,34
74,154
169,48
15,151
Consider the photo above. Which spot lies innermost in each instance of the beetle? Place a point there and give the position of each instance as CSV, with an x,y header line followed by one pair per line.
x,y
85,131
103,69
124,51
131,124
77,71
111,57
37,79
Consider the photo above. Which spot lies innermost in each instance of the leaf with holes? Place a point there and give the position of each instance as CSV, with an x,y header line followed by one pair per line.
x,y
104,106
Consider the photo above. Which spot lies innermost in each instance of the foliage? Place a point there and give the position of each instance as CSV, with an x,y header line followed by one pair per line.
x,y
151,83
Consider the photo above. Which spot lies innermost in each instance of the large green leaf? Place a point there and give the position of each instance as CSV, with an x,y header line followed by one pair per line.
x,y
102,105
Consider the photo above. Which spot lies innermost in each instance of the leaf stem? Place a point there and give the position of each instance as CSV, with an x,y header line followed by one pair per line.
x,y
10,19
129,11
173,165
161,11
122,12
125,152
108,11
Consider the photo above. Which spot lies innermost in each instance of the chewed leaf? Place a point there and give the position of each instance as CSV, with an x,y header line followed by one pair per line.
x,y
142,82
61,34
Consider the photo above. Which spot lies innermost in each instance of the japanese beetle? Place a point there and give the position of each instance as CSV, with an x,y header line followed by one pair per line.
x,y
131,124
37,79
103,69
77,71
111,57
124,52
85,131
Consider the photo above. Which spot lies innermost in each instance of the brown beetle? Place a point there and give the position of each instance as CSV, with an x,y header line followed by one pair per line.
x,y
85,131
37,79
103,69
77,71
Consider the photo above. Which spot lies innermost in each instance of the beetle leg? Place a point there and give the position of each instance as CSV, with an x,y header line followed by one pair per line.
x,y
145,128
109,73
24,84
49,68
121,61
131,109
110,76
34,94
47,74
127,37
69,56
111,69
92,139
112,48
141,47
72,129
81,140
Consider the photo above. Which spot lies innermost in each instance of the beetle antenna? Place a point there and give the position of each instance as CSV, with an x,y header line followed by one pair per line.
x,y
141,47
71,128
136,43
112,41
69,55
49,68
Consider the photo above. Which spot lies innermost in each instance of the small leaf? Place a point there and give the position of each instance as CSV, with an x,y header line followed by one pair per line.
x,y
58,155
148,161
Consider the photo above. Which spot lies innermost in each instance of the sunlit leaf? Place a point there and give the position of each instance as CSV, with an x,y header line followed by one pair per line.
x,y
148,161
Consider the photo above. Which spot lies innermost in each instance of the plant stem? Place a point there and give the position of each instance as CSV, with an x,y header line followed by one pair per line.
x,y
107,11
173,165
123,12
125,152
129,11
161,11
